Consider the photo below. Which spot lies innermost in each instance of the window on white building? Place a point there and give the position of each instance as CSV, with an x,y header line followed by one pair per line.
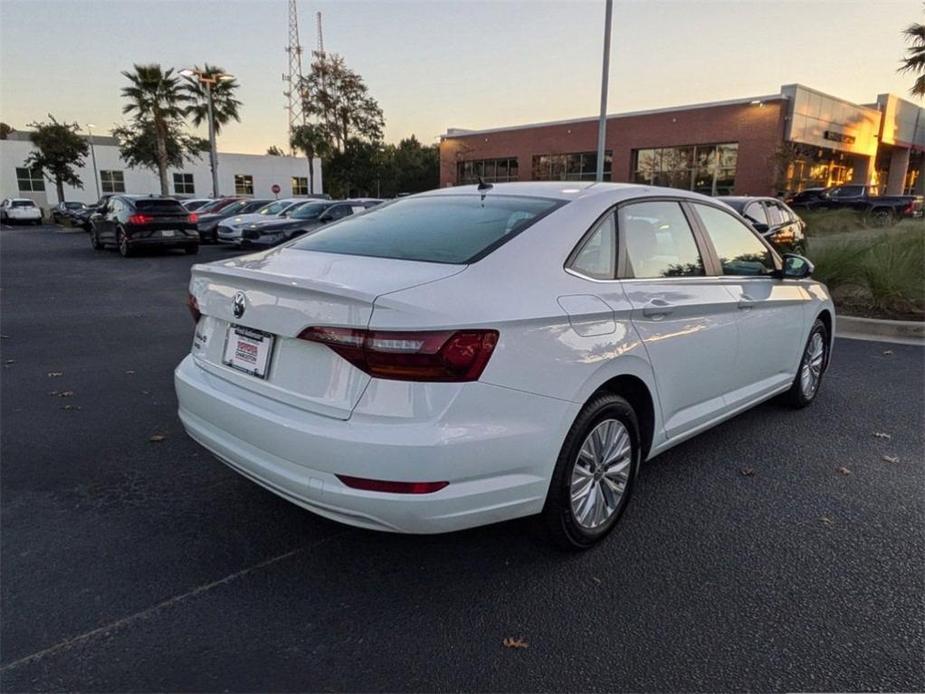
x,y
299,185
183,184
30,180
243,184
112,181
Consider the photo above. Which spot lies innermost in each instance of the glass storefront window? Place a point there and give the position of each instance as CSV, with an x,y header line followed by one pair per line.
x,y
574,166
708,169
490,170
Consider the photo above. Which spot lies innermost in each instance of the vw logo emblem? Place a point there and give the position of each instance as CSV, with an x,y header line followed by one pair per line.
x,y
238,304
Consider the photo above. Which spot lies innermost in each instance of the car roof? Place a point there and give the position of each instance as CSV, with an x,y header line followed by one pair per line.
x,y
570,190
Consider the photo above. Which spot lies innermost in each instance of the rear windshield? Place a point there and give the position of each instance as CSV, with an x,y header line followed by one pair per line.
x,y
23,203
438,229
160,206
312,210
275,207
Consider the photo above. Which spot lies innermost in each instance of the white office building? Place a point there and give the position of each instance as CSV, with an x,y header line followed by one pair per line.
x,y
252,175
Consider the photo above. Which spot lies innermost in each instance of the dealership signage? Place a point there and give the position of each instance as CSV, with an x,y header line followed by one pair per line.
x,y
839,137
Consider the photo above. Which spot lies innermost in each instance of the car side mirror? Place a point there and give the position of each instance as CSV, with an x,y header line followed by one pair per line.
x,y
325,218
796,267
761,227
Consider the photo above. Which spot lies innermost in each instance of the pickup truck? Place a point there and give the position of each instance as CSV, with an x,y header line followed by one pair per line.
x,y
881,210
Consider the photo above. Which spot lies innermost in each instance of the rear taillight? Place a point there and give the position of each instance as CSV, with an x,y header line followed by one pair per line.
x,y
910,208
391,487
448,356
140,219
193,307
192,218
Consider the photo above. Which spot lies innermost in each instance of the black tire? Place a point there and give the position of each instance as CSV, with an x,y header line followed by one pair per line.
x,y
800,395
561,523
95,243
125,248
191,250
881,217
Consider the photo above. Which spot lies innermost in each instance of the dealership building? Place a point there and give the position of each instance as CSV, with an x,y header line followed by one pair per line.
x,y
763,145
104,171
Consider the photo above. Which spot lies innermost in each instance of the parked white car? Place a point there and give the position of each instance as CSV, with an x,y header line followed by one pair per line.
x,y
229,230
466,356
20,210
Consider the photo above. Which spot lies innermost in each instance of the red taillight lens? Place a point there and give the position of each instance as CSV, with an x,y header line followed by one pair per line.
x,y
192,218
392,487
447,356
140,219
193,307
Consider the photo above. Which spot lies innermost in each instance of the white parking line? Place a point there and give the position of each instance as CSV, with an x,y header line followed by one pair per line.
x,y
170,602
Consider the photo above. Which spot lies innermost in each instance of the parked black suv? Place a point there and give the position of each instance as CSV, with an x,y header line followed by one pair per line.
x,y
771,218
131,222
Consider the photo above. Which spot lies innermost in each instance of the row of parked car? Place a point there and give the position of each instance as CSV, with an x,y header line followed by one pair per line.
x,y
132,222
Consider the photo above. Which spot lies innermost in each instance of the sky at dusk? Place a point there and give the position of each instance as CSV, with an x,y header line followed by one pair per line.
x,y
436,64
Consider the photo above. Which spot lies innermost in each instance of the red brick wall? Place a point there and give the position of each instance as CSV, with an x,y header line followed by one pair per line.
x,y
757,129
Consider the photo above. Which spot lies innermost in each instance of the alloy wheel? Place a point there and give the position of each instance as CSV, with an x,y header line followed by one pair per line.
x,y
811,368
601,473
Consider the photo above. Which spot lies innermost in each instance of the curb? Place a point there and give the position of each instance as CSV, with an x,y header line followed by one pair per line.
x,y
908,331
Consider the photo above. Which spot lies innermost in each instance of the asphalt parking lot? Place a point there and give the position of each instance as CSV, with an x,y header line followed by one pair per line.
x,y
779,551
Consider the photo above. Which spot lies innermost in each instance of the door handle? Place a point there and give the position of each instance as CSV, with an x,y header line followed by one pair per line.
x,y
746,302
657,308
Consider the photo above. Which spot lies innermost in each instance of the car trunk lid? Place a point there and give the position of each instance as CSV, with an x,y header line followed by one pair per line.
x,y
285,291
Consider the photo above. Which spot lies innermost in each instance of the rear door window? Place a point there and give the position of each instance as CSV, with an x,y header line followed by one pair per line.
x,y
659,241
755,213
436,228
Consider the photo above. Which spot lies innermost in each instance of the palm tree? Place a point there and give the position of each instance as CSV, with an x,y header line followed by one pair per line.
x,y
311,140
156,96
224,105
914,61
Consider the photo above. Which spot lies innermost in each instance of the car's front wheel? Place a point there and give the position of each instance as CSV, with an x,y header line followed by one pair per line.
x,y
595,473
95,241
806,384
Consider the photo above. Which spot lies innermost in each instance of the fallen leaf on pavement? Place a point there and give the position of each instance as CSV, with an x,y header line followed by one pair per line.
x,y
511,642
843,471
887,351
54,374
157,438
129,372
747,471
882,435
70,407
64,393
827,520
890,459
595,579
10,361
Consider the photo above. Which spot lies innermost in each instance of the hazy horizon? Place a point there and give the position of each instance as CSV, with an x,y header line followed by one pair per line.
x,y
436,65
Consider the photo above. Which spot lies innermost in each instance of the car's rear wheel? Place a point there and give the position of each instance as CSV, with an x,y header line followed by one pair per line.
x,y
881,217
125,248
595,473
806,384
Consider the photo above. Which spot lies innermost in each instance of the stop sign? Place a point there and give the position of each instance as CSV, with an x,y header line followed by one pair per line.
x,y
275,188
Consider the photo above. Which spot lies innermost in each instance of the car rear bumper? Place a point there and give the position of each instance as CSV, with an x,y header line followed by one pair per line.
x,y
495,446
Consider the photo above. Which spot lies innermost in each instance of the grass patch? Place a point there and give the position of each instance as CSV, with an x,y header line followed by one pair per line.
x,y
874,273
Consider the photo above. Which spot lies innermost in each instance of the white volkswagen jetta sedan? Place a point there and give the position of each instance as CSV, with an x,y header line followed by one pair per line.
x,y
471,355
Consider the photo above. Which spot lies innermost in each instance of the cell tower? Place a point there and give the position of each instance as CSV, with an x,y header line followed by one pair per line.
x,y
293,79
320,35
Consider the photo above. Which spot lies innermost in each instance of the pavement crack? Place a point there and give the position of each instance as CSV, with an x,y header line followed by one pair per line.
x,y
170,602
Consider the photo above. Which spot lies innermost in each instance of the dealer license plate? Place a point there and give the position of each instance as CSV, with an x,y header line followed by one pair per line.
x,y
248,350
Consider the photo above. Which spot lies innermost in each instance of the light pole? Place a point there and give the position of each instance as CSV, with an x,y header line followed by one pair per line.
x,y
210,79
602,126
96,175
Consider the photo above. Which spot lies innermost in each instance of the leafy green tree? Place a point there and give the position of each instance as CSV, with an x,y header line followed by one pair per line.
x,y
310,140
157,100
356,171
5,130
914,61
274,151
58,152
337,97
139,146
415,167
225,107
